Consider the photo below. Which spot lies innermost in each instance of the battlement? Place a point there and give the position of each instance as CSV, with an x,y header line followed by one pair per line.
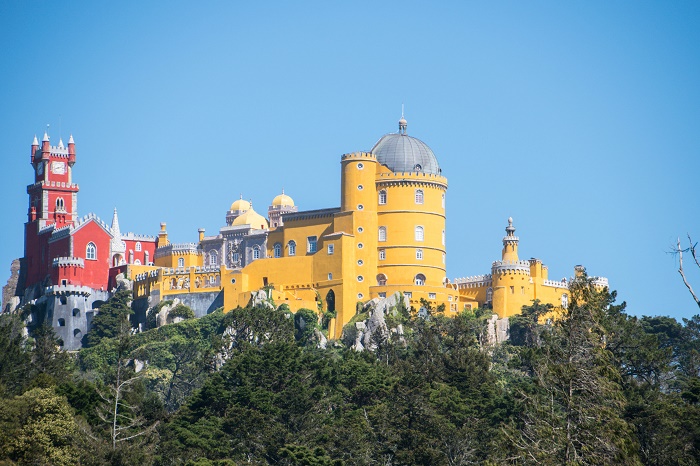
x,y
359,156
428,178
53,184
64,290
177,249
134,237
60,233
599,281
146,275
475,281
185,271
555,284
517,267
69,262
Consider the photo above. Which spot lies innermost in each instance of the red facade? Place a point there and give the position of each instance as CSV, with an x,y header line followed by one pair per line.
x,y
60,248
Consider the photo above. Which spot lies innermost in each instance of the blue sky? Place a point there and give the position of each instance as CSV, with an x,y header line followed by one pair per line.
x,y
578,119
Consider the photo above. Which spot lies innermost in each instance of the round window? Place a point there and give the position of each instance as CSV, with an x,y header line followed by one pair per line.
x,y
360,229
360,166
360,245
360,278
233,280
360,207
360,187
360,296
360,262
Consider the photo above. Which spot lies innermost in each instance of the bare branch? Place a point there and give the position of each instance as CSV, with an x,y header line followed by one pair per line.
x,y
680,267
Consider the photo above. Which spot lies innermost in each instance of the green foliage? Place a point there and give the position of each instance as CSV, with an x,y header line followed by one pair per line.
x,y
38,427
111,320
305,322
182,311
14,359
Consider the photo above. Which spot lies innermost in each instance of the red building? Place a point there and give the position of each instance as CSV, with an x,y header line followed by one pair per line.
x,y
67,258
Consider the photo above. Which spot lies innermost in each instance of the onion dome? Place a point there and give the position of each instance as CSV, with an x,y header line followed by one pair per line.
x,y
282,200
240,205
402,153
252,218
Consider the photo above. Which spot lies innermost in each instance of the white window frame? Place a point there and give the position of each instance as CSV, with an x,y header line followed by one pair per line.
x,y
419,254
277,250
181,263
382,197
138,246
419,233
419,279
419,196
330,249
256,252
311,244
91,251
213,259
292,247
382,234
382,254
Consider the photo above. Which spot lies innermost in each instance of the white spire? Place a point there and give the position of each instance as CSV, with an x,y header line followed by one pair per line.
x,y
60,143
115,224
46,137
35,142
70,140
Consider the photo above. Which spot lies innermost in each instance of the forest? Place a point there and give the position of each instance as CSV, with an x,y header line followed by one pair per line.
x,y
586,385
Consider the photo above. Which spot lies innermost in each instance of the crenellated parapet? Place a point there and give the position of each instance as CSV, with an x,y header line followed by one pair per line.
x,y
358,156
411,179
177,249
556,284
510,267
600,281
65,290
476,281
69,262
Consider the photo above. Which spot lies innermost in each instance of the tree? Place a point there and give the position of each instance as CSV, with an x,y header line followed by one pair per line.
x,y
48,362
111,320
572,414
14,359
37,427
678,250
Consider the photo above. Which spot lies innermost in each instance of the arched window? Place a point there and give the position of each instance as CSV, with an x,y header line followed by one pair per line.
x,y
91,251
381,280
256,252
181,262
382,233
277,250
60,205
382,254
382,197
213,258
419,233
292,246
137,262
419,196
489,294
419,254
420,279
138,246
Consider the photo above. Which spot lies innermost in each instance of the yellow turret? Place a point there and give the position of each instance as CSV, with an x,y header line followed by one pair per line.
x,y
510,243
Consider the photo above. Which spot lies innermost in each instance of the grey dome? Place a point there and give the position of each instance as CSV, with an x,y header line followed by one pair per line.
x,y
403,153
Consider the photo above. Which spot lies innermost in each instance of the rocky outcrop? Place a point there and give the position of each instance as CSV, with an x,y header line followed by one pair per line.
x,y
163,317
10,300
369,333
498,330
123,283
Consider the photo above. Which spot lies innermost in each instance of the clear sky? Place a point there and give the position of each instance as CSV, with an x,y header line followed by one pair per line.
x,y
578,119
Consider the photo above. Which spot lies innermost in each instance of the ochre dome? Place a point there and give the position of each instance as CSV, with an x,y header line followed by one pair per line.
x,y
252,218
403,153
240,205
282,200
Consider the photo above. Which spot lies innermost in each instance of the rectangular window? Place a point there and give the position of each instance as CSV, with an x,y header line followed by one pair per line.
x,y
419,254
331,249
512,290
522,290
330,276
382,254
311,243
449,298
432,295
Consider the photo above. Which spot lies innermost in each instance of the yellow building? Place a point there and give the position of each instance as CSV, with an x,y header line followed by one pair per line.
x,y
387,236
514,283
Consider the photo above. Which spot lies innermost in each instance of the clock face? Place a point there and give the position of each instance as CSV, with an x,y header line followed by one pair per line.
x,y
58,168
40,168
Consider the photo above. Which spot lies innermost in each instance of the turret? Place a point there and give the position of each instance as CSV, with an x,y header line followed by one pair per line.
x,y
35,147
510,243
45,146
201,234
162,236
71,151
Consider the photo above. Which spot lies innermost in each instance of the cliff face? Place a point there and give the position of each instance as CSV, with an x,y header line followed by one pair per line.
x,y
10,300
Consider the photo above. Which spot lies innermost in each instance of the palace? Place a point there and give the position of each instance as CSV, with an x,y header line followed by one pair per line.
x,y
387,236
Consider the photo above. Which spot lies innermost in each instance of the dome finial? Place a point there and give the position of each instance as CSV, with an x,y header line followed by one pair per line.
x,y
402,123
